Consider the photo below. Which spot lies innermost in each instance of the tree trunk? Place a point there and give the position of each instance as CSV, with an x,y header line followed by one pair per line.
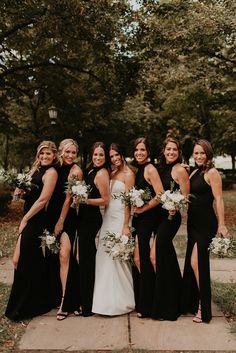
x,y
5,161
233,161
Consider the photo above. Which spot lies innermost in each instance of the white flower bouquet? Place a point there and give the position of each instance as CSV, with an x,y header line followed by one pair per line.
x,y
134,197
173,200
78,188
119,246
22,181
222,247
50,242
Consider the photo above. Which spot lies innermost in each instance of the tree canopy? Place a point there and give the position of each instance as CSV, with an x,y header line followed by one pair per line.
x,y
115,73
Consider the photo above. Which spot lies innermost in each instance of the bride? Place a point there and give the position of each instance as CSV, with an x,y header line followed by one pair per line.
x,y
113,291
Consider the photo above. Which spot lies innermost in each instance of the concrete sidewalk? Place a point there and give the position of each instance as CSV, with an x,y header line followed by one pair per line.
x,y
127,332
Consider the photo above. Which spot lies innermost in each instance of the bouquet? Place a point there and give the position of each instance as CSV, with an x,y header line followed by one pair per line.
x,y
222,247
22,181
119,246
77,188
134,197
173,200
50,242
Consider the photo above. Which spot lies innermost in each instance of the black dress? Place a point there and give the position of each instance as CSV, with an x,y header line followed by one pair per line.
x,y
90,221
201,227
168,279
71,297
30,290
144,225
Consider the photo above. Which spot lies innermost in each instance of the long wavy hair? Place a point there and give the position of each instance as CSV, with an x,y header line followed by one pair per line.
x,y
207,148
64,145
116,147
165,143
94,146
44,144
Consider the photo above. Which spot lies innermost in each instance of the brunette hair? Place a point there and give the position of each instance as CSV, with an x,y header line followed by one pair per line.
x,y
209,153
64,144
44,144
94,146
117,147
178,145
145,142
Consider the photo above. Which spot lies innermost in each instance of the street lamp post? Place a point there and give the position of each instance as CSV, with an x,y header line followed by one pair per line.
x,y
52,112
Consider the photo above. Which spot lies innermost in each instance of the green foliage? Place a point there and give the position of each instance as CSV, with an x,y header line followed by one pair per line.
x,y
224,295
166,68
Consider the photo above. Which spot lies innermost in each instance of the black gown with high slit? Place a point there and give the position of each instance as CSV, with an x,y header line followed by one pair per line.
x,y
144,225
29,295
71,300
201,228
168,279
89,223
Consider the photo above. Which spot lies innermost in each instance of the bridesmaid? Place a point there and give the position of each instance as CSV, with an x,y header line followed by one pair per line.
x,y
30,290
144,222
202,225
168,279
62,219
90,221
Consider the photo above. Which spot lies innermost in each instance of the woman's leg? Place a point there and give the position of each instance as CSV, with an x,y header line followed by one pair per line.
x,y
16,253
153,254
64,256
136,254
195,267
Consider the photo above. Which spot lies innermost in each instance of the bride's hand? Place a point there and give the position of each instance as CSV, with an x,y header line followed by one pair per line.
x,y
126,230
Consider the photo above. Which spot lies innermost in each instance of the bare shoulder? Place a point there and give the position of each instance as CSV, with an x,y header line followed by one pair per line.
x,y
129,176
128,172
151,169
51,172
213,174
102,173
180,169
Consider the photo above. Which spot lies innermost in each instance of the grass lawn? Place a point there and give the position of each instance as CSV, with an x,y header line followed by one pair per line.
x,y
223,294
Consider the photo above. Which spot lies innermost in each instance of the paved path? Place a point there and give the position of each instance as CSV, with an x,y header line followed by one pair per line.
x,y
127,332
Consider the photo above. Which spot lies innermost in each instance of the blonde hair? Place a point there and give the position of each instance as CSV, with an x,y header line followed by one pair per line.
x,y
64,145
44,144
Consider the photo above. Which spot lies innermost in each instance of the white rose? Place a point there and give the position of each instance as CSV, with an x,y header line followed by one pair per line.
x,y
50,239
139,203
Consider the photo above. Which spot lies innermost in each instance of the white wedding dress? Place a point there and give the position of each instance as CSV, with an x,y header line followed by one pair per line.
x,y
113,289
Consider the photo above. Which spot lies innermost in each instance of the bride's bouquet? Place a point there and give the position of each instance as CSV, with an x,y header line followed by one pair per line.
x,y
222,247
119,246
50,242
134,197
78,189
22,181
173,200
